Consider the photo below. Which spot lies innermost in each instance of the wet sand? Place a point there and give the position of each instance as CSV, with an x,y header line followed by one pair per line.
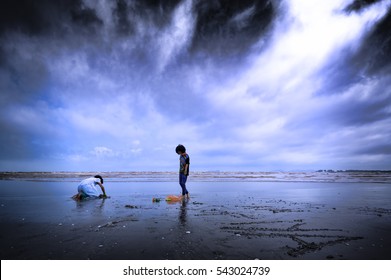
x,y
222,220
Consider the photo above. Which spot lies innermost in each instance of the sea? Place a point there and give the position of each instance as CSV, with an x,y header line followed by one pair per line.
x,y
350,176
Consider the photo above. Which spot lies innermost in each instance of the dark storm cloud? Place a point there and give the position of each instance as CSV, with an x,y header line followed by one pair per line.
x,y
231,27
40,18
31,31
367,103
359,5
220,23
374,54
126,14
121,17
221,27
113,79
372,58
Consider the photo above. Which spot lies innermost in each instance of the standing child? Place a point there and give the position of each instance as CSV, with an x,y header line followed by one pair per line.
x,y
184,162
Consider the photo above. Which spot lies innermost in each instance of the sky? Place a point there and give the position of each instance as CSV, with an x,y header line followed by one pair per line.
x,y
245,85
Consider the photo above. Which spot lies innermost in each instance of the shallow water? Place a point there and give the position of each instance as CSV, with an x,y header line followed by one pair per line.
x,y
49,201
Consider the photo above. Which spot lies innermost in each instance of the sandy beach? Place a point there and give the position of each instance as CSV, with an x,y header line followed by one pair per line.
x,y
222,220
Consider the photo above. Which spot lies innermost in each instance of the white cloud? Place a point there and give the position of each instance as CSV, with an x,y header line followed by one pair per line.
x,y
102,152
177,36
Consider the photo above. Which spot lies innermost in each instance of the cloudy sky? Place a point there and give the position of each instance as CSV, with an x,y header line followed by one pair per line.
x,y
244,85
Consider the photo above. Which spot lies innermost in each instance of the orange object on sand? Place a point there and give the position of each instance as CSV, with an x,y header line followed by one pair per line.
x,y
173,198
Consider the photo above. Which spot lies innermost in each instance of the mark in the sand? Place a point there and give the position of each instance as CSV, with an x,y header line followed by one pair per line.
x,y
256,210
213,212
109,224
113,224
256,222
380,212
197,203
308,247
320,237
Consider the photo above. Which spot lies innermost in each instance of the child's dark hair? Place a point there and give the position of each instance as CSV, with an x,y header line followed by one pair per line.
x,y
100,177
180,149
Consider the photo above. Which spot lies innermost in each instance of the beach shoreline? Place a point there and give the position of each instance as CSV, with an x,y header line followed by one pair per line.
x,y
222,220
352,176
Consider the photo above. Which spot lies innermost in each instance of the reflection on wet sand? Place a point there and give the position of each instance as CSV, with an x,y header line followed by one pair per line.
x,y
94,206
183,212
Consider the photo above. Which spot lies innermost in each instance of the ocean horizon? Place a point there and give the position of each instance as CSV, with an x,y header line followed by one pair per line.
x,y
341,176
